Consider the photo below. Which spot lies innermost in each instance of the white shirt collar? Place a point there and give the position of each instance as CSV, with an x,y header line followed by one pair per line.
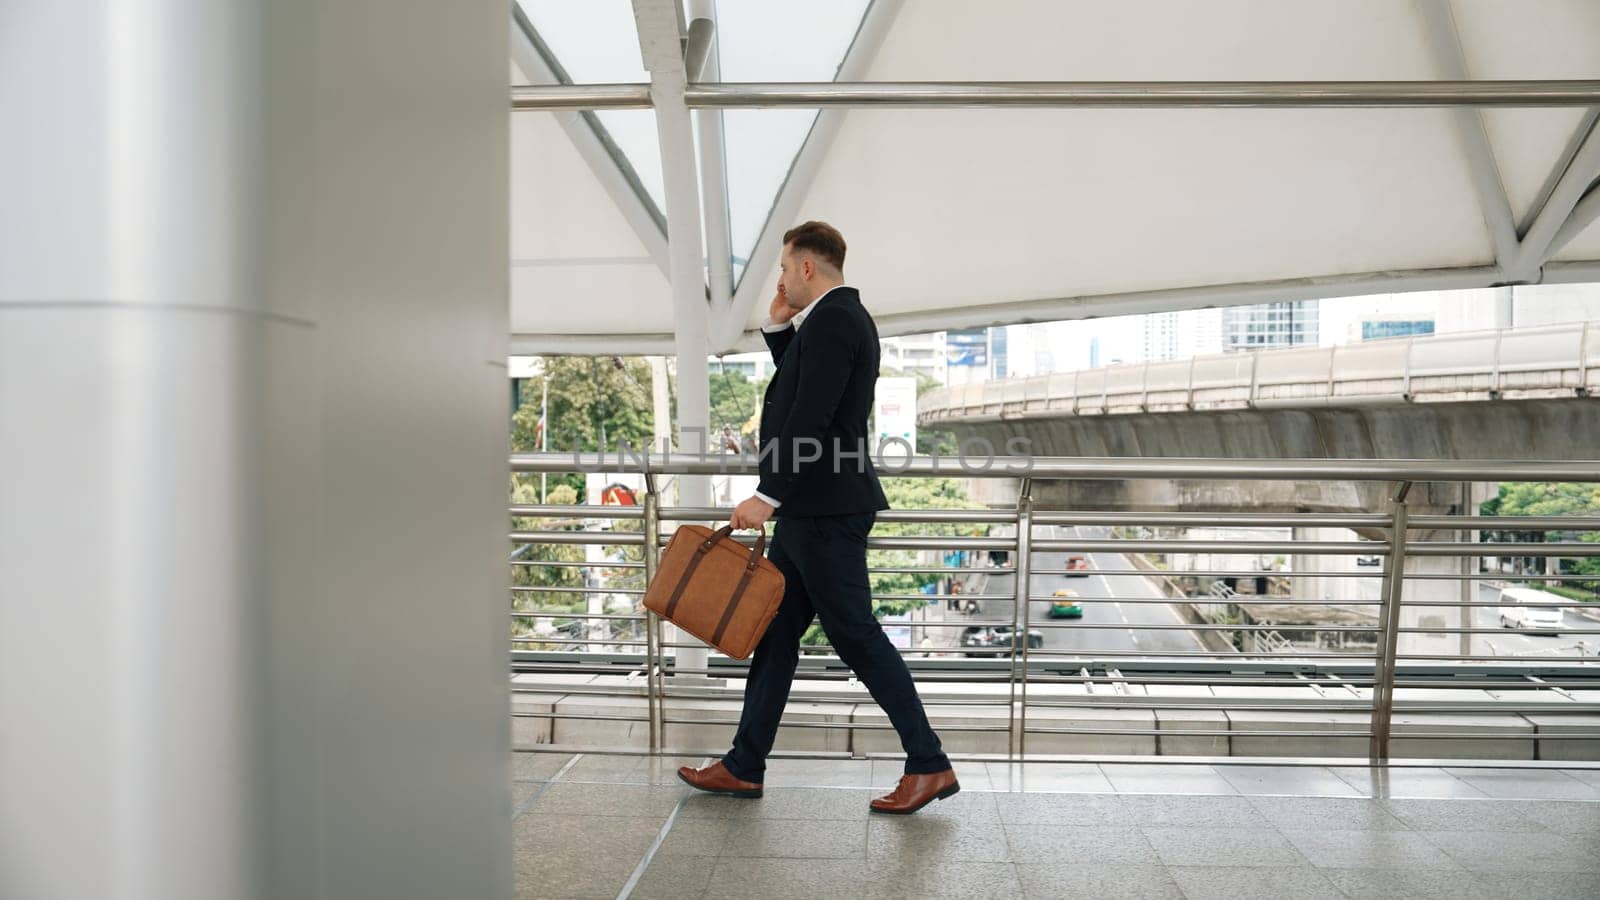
x,y
800,317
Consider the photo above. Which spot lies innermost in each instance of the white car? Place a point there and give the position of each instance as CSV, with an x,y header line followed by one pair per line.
x,y
1515,611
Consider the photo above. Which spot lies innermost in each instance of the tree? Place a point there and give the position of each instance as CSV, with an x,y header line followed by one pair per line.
x,y
1545,499
526,570
590,396
735,400
1548,499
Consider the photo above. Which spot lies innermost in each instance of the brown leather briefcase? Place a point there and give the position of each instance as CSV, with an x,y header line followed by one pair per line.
x,y
716,589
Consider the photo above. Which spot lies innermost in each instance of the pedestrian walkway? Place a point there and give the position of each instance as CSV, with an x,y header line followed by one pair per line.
x,y
611,826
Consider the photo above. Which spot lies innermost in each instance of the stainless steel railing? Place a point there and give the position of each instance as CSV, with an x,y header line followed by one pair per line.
x,y
1326,697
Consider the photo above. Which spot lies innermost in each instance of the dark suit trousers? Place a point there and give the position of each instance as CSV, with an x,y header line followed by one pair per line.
x,y
824,564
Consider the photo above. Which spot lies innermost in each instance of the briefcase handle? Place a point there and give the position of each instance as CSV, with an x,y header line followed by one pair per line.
x,y
726,531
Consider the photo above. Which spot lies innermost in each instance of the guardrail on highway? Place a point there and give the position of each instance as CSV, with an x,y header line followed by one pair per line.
x,y
1523,363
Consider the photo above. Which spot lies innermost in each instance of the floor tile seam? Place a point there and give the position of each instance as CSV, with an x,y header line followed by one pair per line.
x,y
1429,841
1440,769
527,804
1405,826
655,845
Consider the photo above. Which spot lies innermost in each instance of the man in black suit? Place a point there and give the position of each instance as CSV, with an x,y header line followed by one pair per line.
x,y
818,480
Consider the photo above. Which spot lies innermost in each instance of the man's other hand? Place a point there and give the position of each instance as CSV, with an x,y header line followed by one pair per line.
x,y
752,513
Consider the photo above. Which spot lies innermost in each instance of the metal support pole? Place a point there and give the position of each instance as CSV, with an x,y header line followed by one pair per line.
x,y
652,625
713,171
1221,94
1043,94
1469,565
544,429
1393,591
1019,620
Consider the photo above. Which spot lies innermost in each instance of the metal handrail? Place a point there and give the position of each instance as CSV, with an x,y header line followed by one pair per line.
x,y
1067,94
1103,468
1372,681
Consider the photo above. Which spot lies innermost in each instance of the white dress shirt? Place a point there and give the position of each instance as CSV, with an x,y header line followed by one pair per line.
x,y
794,322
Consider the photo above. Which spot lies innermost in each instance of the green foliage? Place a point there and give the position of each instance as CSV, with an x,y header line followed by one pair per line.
x,y
1551,499
543,576
620,577
933,442
1542,499
590,396
735,401
1571,593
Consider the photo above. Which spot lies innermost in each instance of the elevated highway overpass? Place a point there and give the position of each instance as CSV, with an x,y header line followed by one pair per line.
x,y
1507,394
1511,394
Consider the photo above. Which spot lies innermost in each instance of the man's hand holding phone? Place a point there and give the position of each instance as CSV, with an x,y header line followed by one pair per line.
x,y
779,311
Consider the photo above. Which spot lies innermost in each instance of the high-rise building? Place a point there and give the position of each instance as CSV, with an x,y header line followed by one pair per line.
x,y
966,353
1161,332
1028,350
915,354
1182,334
1264,326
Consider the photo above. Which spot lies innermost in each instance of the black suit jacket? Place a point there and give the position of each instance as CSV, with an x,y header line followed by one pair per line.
x,y
815,455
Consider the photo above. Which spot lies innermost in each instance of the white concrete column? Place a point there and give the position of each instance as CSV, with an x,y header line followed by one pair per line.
x,y
133,336
659,24
253,277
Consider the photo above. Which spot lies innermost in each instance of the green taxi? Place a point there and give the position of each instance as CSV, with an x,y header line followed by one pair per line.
x,y
1064,605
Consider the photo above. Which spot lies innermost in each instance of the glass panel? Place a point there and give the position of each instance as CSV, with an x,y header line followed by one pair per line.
x,y
597,42
767,42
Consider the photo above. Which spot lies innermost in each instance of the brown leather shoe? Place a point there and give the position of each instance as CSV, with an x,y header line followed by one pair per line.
x,y
716,779
916,791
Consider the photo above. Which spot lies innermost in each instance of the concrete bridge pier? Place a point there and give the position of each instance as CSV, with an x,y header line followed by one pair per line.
x,y
1432,590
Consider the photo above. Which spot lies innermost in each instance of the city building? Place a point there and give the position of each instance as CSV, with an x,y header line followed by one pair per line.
x,y
1265,326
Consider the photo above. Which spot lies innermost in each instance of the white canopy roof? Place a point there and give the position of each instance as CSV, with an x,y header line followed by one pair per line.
x,y
966,217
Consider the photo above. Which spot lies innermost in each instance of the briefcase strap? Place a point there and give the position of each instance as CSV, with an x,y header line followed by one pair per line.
x,y
694,563
733,604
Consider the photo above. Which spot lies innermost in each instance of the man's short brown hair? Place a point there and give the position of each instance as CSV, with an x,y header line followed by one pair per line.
x,y
820,239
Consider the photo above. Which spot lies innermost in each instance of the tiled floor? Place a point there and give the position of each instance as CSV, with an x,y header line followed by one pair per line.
x,y
612,826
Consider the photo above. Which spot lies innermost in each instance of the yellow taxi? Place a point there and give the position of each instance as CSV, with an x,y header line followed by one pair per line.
x,y
1064,605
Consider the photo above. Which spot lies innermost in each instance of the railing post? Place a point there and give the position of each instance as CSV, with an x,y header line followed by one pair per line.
x,y
1394,579
1494,382
1583,358
1469,568
652,626
1018,714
